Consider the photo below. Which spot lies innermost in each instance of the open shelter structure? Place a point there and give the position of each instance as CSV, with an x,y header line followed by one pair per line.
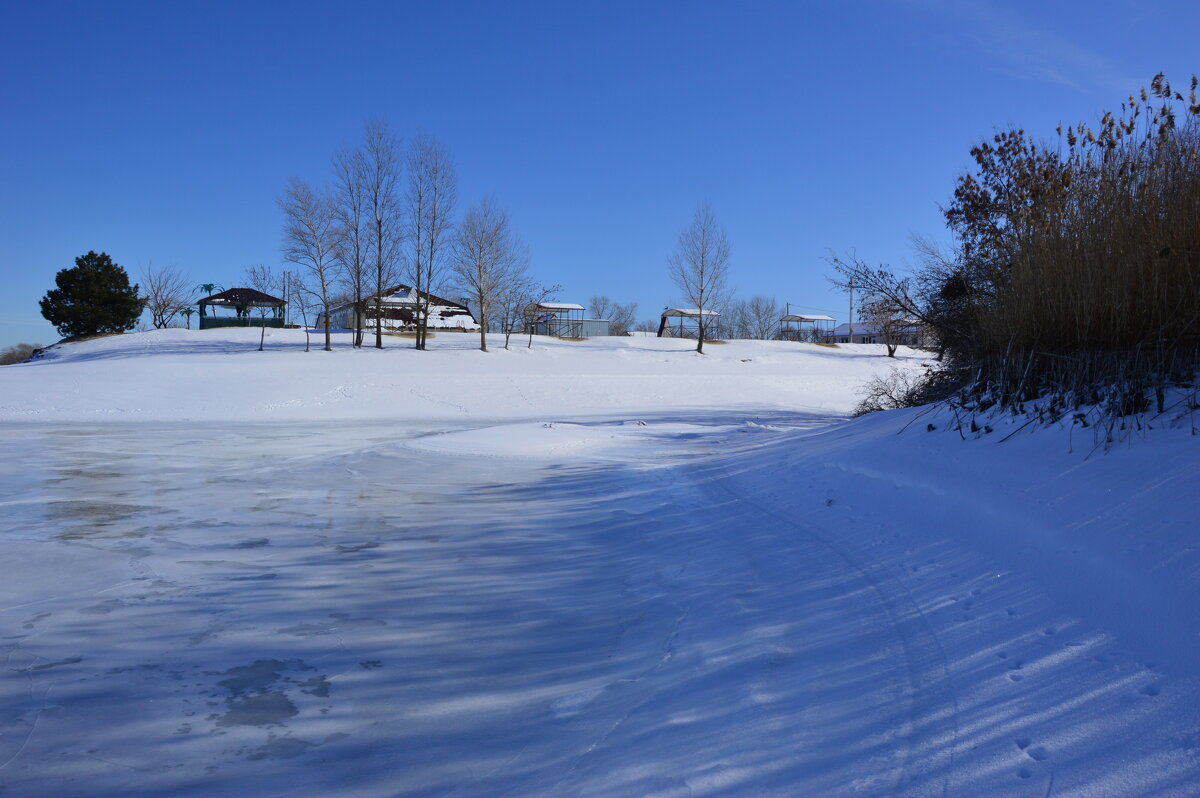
x,y
805,327
687,324
243,302
562,320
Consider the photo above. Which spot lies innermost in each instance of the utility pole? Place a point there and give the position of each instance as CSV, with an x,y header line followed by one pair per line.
x,y
851,310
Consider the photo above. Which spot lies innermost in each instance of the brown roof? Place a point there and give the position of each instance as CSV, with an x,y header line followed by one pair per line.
x,y
243,297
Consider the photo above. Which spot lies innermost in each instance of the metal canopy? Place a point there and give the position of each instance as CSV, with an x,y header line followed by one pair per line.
x,y
557,306
687,313
804,317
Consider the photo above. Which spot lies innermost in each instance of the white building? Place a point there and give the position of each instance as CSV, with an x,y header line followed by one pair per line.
x,y
398,311
907,334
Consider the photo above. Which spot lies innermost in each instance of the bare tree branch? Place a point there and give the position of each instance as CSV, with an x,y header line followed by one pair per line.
x,y
309,239
352,211
700,266
486,258
432,193
165,292
382,171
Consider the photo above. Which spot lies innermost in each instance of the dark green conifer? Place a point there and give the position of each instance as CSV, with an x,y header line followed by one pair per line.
x,y
93,297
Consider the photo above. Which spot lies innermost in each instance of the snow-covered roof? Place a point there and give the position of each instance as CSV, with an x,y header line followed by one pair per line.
x,y
806,317
687,313
243,297
558,306
404,296
400,296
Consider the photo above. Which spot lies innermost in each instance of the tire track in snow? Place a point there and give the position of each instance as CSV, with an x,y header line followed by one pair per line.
x,y
933,700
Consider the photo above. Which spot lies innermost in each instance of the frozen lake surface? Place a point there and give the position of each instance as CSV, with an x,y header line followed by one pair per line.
x,y
323,609
605,568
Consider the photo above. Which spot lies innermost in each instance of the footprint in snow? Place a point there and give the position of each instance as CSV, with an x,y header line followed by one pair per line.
x,y
1038,753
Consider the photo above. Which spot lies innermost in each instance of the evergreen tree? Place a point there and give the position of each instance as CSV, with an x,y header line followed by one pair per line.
x,y
94,297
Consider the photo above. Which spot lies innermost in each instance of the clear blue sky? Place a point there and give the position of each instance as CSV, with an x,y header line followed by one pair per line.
x,y
163,132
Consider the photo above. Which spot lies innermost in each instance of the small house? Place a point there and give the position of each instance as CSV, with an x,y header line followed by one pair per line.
x,y
398,309
906,333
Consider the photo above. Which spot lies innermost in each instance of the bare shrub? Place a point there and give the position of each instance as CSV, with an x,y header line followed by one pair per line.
x,y
18,353
166,291
898,388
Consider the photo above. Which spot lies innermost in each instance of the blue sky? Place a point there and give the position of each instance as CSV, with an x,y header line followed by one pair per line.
x,y
162,133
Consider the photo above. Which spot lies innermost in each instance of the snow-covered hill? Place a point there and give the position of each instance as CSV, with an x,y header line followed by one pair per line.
x,y
220,375
606,568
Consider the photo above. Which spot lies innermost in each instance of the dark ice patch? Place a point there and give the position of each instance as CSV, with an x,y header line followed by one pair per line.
x,y
258,710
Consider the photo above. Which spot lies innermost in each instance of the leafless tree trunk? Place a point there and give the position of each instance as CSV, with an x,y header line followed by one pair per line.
x,y
700,266
511,300
262,277
536,294
166,292
354,231
382,168
432,192
888,318
310,237
304,298
485,257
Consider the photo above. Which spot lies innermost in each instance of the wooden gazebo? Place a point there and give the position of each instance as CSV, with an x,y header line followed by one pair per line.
x,y
243,301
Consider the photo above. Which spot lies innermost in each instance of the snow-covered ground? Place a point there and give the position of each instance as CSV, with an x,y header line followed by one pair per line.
x,y
609,568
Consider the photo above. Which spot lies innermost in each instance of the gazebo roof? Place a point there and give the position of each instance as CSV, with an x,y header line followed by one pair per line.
x,y
805,317
687,313
243,298
556,306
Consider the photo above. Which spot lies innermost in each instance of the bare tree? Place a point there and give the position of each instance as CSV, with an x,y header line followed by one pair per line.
x,y
923,300
536,295
381,180
485,257
166,292
432,192
888,318
262,277
762,314
646,325
700,265
309,239
511,300
735,318
305,301
621,318
355,229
